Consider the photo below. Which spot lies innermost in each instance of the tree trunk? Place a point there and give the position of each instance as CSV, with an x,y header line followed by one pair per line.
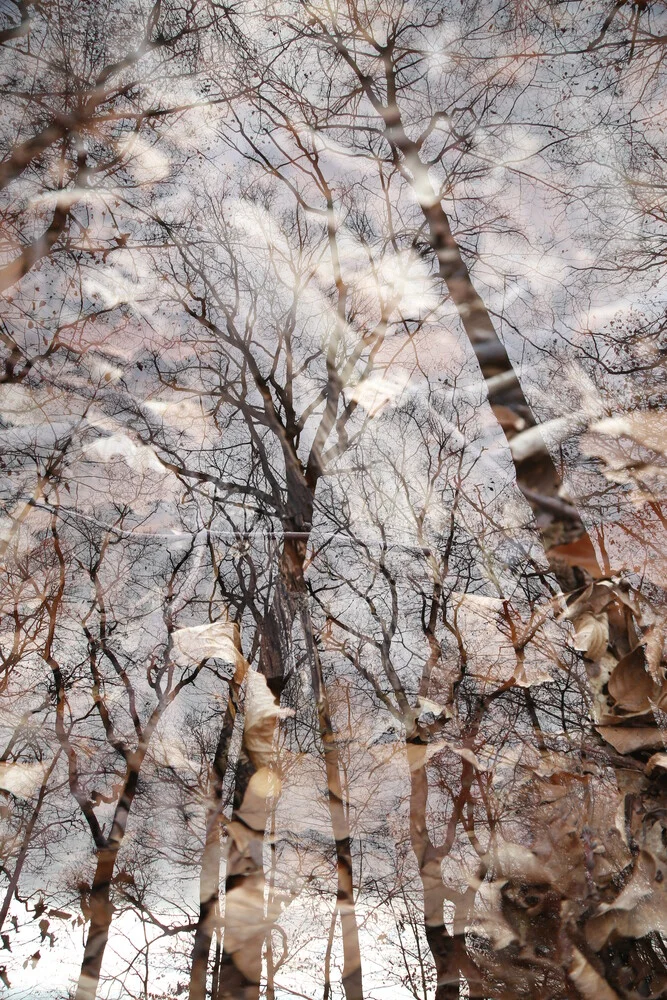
x,y
209,879
352,975
101,914
208,908
100,905
245,924
440,942
25,843
473,313
33,252
240,967
449,952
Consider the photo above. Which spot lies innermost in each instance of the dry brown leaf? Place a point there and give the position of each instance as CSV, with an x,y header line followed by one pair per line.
x,y
551,764
513,861
530,674
637,911
599,673
247,923
579,553
215,640
654,646
264,784
241,835
628,739
630,685
419,754
593,599
489,919
552,793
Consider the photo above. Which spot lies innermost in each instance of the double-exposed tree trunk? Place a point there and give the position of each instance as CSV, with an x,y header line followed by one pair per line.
x,y
101,911
241,961
100,906
37,249
406,153
475,317
339,817
429,858
13,883
448,950
244,923
209,876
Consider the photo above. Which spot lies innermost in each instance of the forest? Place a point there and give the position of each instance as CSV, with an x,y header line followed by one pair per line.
x,y
333,499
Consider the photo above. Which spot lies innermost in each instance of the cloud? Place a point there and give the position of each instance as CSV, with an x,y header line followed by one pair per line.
x,y
376,392
21,780
139,457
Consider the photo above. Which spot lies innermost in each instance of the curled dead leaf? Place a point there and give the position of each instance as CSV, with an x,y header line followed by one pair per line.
x,y
592,600
513,861
489,919
591,635
654,650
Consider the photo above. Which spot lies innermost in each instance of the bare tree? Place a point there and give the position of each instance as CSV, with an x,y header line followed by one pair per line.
x,y
283,668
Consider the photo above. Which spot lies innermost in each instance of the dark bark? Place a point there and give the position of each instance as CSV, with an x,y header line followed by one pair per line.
x,y
473,313
448,950
240,971
406,155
